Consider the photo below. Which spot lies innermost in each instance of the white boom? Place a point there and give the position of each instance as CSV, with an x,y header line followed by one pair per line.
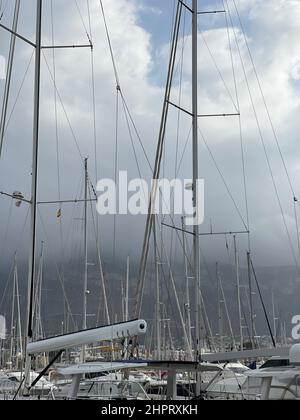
x,y
83,338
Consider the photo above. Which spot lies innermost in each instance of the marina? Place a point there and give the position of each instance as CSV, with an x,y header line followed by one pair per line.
x,y
149,241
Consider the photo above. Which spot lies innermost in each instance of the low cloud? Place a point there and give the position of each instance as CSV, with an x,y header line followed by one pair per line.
x,y
273,34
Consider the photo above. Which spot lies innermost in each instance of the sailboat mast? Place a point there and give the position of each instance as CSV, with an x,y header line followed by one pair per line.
x,y
274,317
127,303
252,325
238,285
36,129
36,126
85,281
12,325
157,306
9,73
38,298
85,289
195,183
220,312
196,174
19,312
187,284
127,290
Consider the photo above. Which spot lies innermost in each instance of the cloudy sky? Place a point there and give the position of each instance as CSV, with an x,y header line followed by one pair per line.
x,y
140,33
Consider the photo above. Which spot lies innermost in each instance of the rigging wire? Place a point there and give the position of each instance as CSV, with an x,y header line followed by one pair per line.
x,y
245,185
276,138
265,148
158,160
7,284
79,249
123,100
263,304
172,23
103,286
242,145
118,84
219,71
128,117
189,262
3,7
242,149
237,108
4,243
116,170
109,44
19,243
93,96
184,150
82,21
297,224
223,179
133,146
178,126
159,256
64,110
95,139
18,93
55,106
264,101
58,271
59,209
222,176
136,132
180,95
69,237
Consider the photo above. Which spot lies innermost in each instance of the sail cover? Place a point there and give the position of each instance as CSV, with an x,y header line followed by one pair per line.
x,y
95,335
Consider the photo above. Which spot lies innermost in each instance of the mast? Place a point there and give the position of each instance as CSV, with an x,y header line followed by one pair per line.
x,y
195,189
85,283
237,271
12,326
208,326
19,312
85,287
127,291
38,330
127,302
157,307
16,329
36,129
252,326
123,298
9,73
223,297
187,286
220,313
157,168
274,317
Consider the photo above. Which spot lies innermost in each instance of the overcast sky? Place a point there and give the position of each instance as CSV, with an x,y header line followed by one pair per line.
x,y
140,33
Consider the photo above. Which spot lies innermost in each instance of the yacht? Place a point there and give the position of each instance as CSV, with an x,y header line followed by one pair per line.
x,y
275,380
10,382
